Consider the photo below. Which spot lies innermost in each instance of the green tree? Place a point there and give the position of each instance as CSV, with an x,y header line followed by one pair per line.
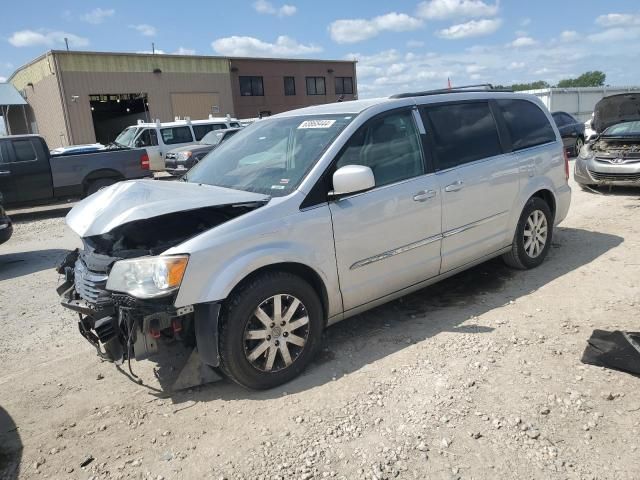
x,y
595,78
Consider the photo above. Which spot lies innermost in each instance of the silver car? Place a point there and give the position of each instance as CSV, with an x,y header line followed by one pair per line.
x,y
613,157
310,217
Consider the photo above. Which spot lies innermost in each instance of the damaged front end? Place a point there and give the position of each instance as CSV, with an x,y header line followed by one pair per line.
x,y
123,290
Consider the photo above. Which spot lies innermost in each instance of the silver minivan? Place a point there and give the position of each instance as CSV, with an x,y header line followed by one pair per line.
x,y
309,217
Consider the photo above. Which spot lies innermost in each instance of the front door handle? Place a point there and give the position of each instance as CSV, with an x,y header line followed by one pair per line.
x,y
424,195
455,186
5,173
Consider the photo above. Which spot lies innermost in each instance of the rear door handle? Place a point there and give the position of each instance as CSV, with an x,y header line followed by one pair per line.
x,y
454,187
5,173
424,195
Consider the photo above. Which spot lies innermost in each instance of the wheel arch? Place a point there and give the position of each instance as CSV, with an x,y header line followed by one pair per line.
x,y
548,196
299,269
100,174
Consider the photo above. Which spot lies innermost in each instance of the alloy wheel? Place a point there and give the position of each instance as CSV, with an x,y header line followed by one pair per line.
x,y
579,144
277,333
535,233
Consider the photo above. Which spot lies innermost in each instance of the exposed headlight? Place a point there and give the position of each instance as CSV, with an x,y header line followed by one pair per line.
x,y
184,155
585,152
148,277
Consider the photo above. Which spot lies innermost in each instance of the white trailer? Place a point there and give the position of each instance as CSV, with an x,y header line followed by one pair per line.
x,y
579,101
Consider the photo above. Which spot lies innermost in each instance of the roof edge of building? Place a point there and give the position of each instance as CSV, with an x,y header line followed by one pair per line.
x,y
28,64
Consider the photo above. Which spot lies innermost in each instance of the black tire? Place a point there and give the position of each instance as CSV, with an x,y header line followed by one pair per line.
x,y
237,314
98,184
519,257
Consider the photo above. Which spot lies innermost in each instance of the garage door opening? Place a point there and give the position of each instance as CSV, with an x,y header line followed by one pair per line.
x,y
112,113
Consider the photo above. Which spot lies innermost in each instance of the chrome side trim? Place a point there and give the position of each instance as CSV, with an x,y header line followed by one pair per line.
x,y
423,242
396,251
469,226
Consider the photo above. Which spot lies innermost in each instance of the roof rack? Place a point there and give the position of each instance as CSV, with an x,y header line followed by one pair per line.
x,y
480,87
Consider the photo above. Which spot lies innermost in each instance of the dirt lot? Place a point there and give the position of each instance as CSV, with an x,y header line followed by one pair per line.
x,y
477,377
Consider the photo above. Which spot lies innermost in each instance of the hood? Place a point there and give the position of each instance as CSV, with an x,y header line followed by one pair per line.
x,y
126,202
188,148
616,109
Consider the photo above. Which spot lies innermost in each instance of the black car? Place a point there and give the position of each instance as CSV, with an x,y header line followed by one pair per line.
x,y
181,159
6,228
571,131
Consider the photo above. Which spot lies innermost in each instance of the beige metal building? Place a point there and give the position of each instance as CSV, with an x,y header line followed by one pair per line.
x,y
83,97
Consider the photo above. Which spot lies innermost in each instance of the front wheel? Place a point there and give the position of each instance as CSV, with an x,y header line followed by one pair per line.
x,y
271,329
533,236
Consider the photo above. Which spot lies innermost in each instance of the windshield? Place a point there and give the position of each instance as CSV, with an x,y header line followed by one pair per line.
x,y
626,129
126,136
271,156
212,138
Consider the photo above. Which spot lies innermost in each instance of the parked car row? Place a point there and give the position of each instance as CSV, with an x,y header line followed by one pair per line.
x,y
160,138
181,159
310,217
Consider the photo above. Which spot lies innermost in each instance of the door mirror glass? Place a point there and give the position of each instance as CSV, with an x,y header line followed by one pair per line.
x,y
352,179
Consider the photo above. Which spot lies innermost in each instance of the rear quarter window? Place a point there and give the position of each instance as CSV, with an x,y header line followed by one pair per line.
x,y
526,123
24,151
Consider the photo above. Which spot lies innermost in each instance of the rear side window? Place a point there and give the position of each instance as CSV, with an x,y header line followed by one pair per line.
x,y
526,123
173,135
462,133
200,131
24,151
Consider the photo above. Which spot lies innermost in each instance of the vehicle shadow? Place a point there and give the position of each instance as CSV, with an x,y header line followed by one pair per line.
x,y
618,191
359,341
14,265
10,447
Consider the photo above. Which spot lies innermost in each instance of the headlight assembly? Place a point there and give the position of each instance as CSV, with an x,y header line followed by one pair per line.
x,y
148,277
184,155
585,152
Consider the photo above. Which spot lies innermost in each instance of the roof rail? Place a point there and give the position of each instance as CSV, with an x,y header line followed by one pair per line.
x,y
480,87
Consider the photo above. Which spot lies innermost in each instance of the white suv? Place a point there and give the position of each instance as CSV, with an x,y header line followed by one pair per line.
x,y
309,217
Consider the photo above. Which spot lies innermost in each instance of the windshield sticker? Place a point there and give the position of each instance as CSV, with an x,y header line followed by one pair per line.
x,y
316,124
284,181
277,187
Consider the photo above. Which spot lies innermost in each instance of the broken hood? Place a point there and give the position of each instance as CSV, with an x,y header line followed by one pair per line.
x,y
129,201
616,109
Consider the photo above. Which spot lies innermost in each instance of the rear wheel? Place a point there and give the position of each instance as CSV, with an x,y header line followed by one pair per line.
x,y
98,184
533,236
271,329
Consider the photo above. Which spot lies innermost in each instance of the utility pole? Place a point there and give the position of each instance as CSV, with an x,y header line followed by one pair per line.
x,y
153,48
66,42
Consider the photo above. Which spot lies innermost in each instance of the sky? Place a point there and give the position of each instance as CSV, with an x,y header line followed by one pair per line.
x,y
404,45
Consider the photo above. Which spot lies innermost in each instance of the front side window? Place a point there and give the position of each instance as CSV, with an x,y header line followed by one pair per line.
x,y
559,119
24,151
344,85
289,86
174,135
462,133
148,138
271,156
315,86
251,87
389,145
526,123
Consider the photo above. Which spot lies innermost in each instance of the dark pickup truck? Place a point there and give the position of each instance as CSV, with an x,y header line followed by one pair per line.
x,y
29,174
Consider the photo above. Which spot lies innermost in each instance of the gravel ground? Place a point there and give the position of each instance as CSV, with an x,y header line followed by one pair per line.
x,y
476,377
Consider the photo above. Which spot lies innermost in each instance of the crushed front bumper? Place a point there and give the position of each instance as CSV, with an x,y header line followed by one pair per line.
x,y
122,328
594,171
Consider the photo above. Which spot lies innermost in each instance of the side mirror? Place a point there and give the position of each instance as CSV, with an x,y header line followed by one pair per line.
x,y
352,179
